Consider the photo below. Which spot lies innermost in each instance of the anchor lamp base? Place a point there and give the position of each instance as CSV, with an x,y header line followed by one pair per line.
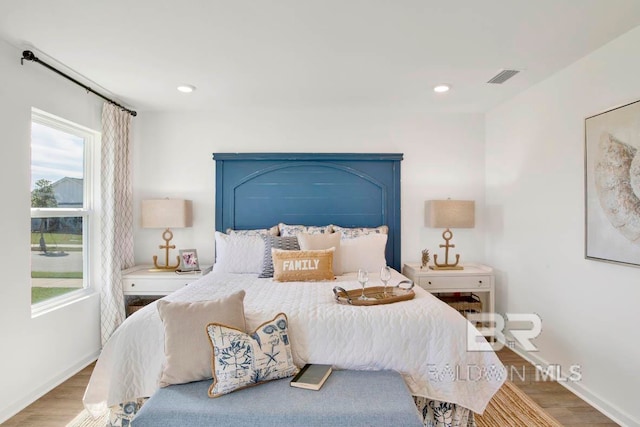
x,y
166,236
447,236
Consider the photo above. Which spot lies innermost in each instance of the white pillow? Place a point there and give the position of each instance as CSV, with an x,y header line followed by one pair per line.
x,y
363,252
238,253
311,242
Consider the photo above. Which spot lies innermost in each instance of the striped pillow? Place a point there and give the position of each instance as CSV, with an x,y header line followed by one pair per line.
x,y
289,243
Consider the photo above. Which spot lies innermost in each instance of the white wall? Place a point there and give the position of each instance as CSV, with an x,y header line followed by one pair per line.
x,y
37,353
535,227
443,157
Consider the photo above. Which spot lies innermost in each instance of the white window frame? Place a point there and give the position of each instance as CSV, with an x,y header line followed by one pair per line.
x,y
89,211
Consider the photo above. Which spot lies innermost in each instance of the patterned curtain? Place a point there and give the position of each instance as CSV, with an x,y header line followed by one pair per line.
x,y
117,215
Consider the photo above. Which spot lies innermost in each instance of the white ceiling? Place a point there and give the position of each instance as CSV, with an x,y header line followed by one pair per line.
x,y
313,53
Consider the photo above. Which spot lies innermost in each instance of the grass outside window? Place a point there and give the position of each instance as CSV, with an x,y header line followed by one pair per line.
x,y
42,294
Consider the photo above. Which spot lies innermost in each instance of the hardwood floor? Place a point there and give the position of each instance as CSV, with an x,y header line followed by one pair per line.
x,y
56,408
556,400
61,405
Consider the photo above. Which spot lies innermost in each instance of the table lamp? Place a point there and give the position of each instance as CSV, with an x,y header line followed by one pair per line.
x,y
449,214
167,214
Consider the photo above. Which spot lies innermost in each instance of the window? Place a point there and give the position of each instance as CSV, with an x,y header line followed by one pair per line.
x,y
62,208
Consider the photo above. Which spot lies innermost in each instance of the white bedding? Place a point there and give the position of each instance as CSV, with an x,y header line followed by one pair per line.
x,y
424,339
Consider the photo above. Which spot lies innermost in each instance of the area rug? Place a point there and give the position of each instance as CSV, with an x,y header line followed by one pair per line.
x,y
510,406
84,419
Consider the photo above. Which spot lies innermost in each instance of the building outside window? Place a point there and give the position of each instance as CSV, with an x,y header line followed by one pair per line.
x,y
64,197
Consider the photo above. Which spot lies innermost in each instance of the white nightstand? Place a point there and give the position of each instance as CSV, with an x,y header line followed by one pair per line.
x,y
475,278
141,286
139,280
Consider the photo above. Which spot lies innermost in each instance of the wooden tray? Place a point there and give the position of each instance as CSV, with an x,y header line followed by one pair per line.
x,y
394,294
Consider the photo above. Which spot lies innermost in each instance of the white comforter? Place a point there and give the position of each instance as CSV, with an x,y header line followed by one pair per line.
x,y
423,339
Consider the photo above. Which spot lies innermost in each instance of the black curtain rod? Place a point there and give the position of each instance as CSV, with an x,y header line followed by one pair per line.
x,y
30,56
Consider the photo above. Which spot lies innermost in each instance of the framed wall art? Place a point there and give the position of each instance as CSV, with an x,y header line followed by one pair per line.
x,y
612,185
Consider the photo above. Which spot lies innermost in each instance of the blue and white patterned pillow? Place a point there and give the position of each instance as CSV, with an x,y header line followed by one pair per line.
x,y
352,233
276,242
241,360
273,231
293,230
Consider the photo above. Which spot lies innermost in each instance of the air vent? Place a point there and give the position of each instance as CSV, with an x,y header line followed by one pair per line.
x,y
503,76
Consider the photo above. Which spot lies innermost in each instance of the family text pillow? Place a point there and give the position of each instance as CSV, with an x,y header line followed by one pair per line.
x,y
187,349
301,266
241,360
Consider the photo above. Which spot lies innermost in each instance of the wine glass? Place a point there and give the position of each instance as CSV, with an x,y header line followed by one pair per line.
x,y
385,276
363,278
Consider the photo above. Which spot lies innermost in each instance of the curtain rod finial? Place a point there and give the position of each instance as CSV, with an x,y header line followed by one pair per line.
x,y
28,55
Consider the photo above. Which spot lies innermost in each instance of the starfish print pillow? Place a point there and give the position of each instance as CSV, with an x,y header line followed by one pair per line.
x,y
241,360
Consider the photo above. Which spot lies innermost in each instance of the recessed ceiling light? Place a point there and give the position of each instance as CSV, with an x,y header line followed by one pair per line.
x,y
441,88
186,88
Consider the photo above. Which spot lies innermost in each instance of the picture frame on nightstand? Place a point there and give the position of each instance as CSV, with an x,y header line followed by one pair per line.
x,y
189,260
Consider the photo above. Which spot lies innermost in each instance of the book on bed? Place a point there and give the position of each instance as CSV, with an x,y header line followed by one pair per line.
x,y
311,376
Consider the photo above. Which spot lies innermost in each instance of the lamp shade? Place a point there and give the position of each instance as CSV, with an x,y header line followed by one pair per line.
x,y
450,213
166,213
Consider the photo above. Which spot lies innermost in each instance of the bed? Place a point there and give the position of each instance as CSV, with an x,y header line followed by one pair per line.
x,y
423,339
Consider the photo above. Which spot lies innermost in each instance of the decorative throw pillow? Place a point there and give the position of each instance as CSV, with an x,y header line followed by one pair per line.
x,y
293,230
187,349
309,242
367,252
241,360
238,254
278,242
350,233
300,266
273,231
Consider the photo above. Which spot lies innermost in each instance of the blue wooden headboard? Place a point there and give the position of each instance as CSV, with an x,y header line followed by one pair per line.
x,y
260,190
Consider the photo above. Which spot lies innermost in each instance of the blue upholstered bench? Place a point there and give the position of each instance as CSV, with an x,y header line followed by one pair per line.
x,y
347,398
